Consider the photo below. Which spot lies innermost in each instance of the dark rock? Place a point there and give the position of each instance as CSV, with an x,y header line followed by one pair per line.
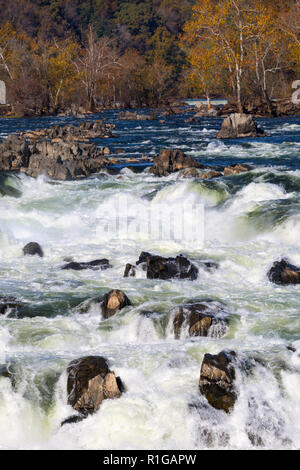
x,y
170,161
32,249
129,270
73,419
96,264
168,268
90,381
200,317
8,303
143,257
113,301
239,126
217,380
284,273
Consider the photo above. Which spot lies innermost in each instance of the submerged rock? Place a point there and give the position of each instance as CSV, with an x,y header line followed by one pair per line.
x,y
90,381
284,273
8,303
199,318
238,126
96,264
170,161
32,249
236,169
113,301
217,380
196,173
168,268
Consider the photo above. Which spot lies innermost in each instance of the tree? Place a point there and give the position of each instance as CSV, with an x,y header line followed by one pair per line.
x,y
243,35
205,72
99,60
7,34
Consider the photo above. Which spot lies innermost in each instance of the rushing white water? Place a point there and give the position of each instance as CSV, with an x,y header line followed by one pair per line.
x,y
251,220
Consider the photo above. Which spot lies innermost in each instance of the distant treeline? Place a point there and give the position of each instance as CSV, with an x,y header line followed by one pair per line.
x,y
54,53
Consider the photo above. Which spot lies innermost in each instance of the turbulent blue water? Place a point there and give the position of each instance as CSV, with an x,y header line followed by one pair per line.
x,y
251,220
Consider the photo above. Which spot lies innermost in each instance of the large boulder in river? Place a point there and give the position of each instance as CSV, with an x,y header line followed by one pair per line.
x,y
217,380
200,319
90,381
114,301
239,126
168,268
33,249
170,161
284,273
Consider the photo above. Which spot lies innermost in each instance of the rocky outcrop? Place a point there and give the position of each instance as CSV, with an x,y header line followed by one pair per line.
x,y
284,273
132,116
217,380
239,126
96,264
200,319
33,249
60,160
158,267
90,381
83,132
62,153
236,169
170,161
114,301
63,161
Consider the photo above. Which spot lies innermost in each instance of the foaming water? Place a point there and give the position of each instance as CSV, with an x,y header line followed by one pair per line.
x,y
251,220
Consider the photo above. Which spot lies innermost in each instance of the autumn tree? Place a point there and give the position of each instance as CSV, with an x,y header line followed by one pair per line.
x,y
98,61
243,35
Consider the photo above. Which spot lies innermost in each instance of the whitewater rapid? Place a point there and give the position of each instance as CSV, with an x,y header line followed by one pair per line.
x,y
250,221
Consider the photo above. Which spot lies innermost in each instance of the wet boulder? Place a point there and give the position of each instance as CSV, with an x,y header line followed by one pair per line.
x,y
33,249
170,161
96,264
236,169
217,378
200,319
196,173
239,126
9,304
90,381
114,301
158,267
130,270
284,273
